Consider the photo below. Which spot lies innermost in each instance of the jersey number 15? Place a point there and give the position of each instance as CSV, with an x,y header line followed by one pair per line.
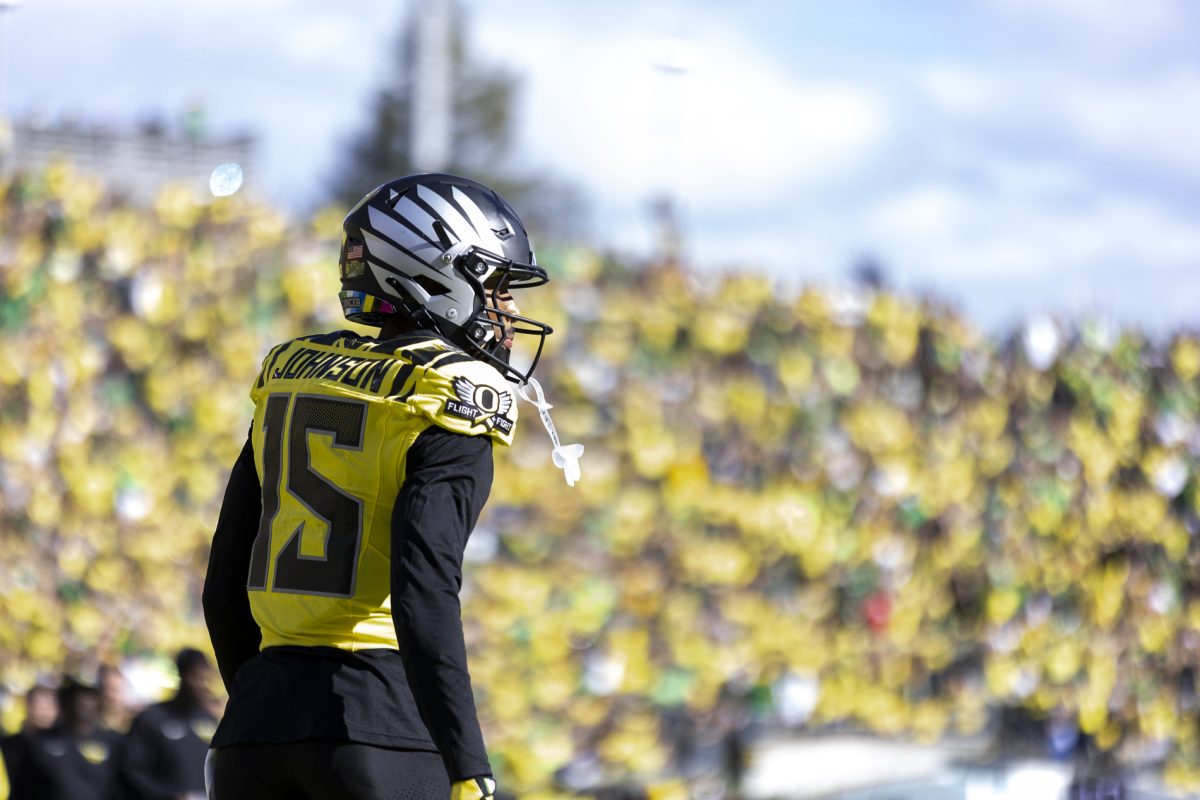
x,y
333,573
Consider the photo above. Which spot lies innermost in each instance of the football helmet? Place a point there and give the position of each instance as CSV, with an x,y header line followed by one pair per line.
x,y
447,251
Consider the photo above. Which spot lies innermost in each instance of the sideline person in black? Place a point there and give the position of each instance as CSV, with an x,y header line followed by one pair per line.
x,y
41,711
74,760
164,752
332,589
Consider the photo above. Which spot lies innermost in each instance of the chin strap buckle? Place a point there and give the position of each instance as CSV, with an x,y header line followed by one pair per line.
x,y
565,457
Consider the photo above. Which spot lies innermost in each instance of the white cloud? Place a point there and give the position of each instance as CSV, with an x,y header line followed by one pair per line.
x,y
1148,234
323,39
1155,121
959,90
1113,25
1152,122
923,213
950,232
1036,175
753,133
734,129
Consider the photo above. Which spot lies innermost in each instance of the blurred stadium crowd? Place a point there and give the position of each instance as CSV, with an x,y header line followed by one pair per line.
x,y
831,509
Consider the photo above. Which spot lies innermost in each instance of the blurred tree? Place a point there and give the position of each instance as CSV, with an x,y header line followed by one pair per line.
x,y
467,103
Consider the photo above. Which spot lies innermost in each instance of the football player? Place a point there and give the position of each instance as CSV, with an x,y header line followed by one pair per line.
x,y
332,589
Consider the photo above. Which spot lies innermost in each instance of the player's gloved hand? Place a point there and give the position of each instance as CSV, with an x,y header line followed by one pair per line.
x,y
482,788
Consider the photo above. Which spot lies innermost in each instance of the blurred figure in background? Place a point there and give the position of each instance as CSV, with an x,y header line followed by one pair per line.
x,y
41,711
115,712
74,760
164,752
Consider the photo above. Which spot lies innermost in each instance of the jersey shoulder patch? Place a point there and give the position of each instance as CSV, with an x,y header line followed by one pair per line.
x,y
466,396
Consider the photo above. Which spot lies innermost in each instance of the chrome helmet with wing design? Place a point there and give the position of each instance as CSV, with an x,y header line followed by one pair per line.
x,y
446,251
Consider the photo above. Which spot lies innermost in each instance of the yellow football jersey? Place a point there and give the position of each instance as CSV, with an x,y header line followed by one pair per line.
x,y
334,417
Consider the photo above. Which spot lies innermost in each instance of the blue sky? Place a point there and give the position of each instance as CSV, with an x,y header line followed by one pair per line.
x,y
1017,156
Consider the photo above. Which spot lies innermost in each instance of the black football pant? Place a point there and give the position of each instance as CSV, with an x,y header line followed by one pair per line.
x,y
319,769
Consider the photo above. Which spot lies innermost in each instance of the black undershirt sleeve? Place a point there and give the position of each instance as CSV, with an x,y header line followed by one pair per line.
x,y
235,636
447,480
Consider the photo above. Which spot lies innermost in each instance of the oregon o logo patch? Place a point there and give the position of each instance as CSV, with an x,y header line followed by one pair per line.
x,y
486,398
481,404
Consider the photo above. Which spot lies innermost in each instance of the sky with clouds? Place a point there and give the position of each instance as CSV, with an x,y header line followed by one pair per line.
x,y
1015,156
